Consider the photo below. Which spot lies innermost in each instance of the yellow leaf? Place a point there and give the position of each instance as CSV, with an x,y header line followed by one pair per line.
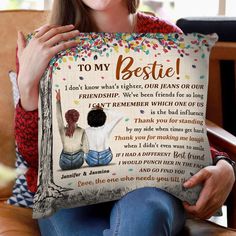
x,y
116,48
127,50
76,102
124,37
182,45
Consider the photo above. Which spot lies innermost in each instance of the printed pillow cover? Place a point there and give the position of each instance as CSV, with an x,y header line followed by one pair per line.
x,y
120,112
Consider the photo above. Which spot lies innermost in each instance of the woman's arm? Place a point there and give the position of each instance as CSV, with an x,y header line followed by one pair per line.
x,y
34,59
31,62
26,135
30,67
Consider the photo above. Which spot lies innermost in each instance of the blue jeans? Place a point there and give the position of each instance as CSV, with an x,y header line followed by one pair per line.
x,y
94,158
145,212
70,161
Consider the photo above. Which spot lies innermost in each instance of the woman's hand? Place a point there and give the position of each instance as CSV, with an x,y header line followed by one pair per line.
x,y
34,58
217,183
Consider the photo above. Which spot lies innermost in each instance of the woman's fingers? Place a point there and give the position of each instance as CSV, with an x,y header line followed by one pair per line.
x,y
43,29
63,46
217,183
49,36
61,37
21,43
55,31
203,204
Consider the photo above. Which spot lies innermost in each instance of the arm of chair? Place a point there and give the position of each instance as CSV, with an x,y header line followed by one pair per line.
x,y
221,139
224,141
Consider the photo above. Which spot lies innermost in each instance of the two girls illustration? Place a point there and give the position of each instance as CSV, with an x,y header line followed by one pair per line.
x,y
91,144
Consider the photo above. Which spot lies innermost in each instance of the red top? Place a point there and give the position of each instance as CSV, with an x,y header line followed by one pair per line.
x,y
26,122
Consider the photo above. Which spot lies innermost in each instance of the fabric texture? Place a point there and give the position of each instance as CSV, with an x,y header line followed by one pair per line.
x,y
71,161
15,90
95,158
145,211
21,196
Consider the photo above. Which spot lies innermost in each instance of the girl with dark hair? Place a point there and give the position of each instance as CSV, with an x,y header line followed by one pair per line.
x,y
98,134
73,138
146,211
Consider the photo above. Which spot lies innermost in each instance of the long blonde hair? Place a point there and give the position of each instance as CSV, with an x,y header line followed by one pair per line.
x,y
76,12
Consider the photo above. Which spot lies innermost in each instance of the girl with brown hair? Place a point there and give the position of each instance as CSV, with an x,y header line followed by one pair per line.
x,y
146,211
73,138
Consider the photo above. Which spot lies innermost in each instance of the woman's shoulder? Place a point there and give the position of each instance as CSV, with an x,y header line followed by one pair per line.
x,y
149,23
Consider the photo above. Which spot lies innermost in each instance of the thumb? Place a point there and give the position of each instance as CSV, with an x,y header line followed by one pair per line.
x,y
197,179
21,43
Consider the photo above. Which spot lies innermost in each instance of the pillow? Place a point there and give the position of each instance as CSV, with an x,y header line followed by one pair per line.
x,y
21,196
119,112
